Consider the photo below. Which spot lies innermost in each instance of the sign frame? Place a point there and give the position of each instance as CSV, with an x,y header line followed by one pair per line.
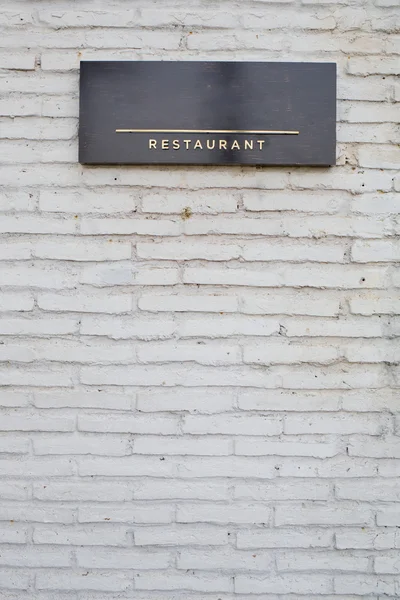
x,y
207,113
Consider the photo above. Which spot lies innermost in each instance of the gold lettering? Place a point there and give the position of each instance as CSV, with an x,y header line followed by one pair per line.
x,y
248,145
176,144
187,142
235,145
198,145
165,144
260,143
222,144
208,144
152,143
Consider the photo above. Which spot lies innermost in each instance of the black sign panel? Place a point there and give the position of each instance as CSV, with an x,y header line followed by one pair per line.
x,y
207,113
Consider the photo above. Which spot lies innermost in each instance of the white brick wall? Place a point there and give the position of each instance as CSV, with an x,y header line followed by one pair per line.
x,y
199,372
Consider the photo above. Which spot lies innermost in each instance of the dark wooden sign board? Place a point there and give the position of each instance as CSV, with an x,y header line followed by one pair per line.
x,y
207,113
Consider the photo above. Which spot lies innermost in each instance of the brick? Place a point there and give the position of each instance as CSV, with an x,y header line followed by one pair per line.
x,y
388,468
29,512
281,301
11,301
239,513
16,200
38,276
370,88
80,579
37,467
388,517
129,226
308,202
92,201
381,351
324,423
337,276
381,157
181,489
38,327
11,533
91,558
360,65
11,579
289,353
314,226
117,328
366,112
78,536
83,399
376,203
293,252
187,250
327,377
365,133
277,21
59,106
34,557
82,250
13,490
82,301
12,445
32,128
36,377
36,224
10,398
321,561
384,400
227,325
205,354
224,560
323,515
19,61
375,251
351,327
364,584
186,303
27,421
182,446
233,425
374,303
82,491
57,445
15,250
387,564
69,351
250,447
193,401
283,490
137,423
143,514
278,538
277,400
61,19
355,181
211,202
367,539
172,581
287,584
368,490
181,535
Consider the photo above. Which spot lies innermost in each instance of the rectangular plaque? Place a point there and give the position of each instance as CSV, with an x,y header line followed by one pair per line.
x,y
207,113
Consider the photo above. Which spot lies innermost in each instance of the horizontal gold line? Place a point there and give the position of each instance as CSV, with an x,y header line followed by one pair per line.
x,y
248,131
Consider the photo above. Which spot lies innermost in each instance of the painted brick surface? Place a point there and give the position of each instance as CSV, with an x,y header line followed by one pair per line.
x,y
199,381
